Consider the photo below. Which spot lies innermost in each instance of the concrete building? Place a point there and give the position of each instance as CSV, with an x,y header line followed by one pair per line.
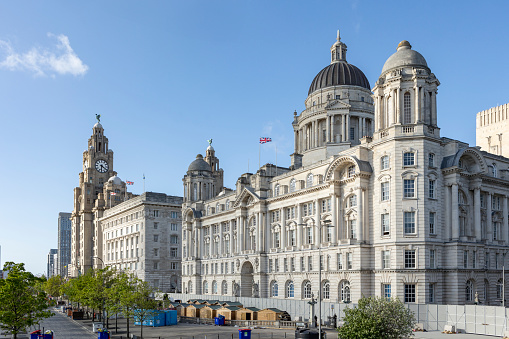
x,y
143,235
52,266
491,126
395,208
64,243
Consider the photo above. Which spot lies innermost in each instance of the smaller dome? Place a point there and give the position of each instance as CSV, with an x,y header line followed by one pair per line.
x,y
115,180
199,164
98,125
404,56
210,148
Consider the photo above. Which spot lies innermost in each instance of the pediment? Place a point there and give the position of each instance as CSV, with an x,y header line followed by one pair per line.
x,y
247,196
337,104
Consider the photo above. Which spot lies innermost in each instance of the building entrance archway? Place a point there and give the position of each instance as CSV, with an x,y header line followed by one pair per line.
x,y
246,280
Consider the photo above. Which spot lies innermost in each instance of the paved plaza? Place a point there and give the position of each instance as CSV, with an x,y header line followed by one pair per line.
x,y
66,328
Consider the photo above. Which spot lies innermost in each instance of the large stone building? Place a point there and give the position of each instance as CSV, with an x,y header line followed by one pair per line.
x,y
99,188
64,243
396,209
142,235
491,125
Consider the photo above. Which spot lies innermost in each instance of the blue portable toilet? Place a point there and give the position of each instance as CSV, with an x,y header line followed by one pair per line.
x,y
171,317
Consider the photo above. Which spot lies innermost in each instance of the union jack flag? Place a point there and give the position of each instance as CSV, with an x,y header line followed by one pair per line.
x,y
129,182
265,140
113,193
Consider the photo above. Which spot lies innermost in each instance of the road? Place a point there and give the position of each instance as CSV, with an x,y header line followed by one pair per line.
x,y
65,328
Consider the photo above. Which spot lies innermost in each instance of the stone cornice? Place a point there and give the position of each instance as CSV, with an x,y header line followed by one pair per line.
x,y
298,193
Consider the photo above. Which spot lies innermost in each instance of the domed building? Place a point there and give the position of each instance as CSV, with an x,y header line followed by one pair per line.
x,y
375,202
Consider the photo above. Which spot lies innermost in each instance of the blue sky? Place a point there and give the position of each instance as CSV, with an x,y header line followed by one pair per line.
x,y
168,75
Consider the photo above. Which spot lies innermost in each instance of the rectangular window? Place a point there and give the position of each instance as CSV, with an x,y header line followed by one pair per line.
x,y
292,237
156,238
349,264
156,252
276,239
408,188
156,265
432,263
173,252
409,220
431,192
385,224
409,258
174,215
302,265
496,228
431,293
465,259
353,229
173,227
270,265
276,265
156,225
321,262
309,231
386,259
386,290
340,261
432,217
156,213
173,265
352,133
285,265
431,160
408,159
310,263
385,191
487,260
474,259
409,293
384,162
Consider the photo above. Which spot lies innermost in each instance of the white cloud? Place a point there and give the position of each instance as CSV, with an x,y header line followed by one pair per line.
x,y
61,59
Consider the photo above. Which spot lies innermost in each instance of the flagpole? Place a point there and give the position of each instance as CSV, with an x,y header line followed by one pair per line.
x,y
276,159
259,150
247,165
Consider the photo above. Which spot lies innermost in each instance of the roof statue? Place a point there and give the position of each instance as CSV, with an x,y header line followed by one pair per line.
x,y
210,142
98,117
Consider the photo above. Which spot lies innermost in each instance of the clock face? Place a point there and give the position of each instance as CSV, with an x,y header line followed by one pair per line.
x,y
101,166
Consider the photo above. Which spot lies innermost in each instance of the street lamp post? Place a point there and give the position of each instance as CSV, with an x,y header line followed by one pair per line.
x,y
325,223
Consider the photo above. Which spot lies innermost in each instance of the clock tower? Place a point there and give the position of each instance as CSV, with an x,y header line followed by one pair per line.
x,y
91,198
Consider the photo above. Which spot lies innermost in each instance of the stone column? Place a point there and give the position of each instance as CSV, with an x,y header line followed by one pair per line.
x,y
282,234
199,242
328,129
298,229
434,106
417,104
231,236
221,249
331,136
505,226
312,135
317,133
447,213
360,215
347,124
400,107
240,232
477,213
377,112
334,219
455,212
259,229
489,221
296,141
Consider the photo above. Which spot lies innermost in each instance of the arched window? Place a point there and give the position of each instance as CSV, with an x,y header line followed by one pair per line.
x,y
469,291
345,291
224,288
289,289
292,185
276,190
195,192
309,180
326,290
274,291
205,288
352,201
190,287
493,169
306,290
407,116
499,289
214,287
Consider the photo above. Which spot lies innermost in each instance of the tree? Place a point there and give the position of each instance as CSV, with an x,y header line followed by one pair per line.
x,y
377,318
21,304
144,307
53,286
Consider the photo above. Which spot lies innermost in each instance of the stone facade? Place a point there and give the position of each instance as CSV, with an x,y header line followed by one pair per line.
x,y
491,125
64,243
394,208
142,235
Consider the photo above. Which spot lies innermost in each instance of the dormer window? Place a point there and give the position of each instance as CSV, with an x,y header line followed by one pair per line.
x,y
276,190
351,171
